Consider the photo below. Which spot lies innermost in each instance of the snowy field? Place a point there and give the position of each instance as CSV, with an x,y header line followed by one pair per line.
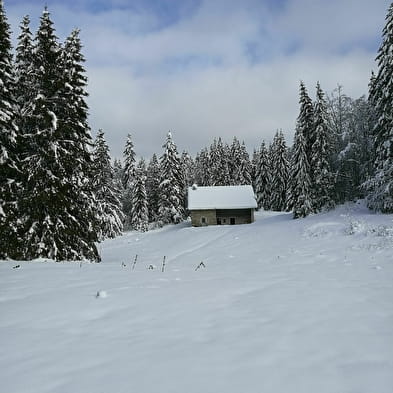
x,y
281,306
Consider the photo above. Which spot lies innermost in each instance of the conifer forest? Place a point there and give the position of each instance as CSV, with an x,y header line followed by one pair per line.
x,y
61,192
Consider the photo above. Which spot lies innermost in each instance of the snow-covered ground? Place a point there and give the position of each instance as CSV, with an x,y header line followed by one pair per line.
x,y
281,306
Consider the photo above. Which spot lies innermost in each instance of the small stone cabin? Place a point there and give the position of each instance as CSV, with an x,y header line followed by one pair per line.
x,y
221,205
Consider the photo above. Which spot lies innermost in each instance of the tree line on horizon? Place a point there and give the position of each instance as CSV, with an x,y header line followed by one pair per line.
x,y
60,193
326,168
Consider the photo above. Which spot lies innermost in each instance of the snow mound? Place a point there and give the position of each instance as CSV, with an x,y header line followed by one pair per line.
x,y
356,227
359,227
324,229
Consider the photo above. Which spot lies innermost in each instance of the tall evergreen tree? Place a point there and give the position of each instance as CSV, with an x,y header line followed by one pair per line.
x,y
254,164
152,188
263,178
235,163
128,179
202,169
279,174
129,162
171,187
139,212
141,166
118,173
9,155
321,173
24,87
306,120
59,213
372,91
41,198
188,172
214,159
245,168
108,196
188,168
380,186
218,164
76,142
299,196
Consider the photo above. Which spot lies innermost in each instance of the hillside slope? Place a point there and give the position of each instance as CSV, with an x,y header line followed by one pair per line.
x,y
281,305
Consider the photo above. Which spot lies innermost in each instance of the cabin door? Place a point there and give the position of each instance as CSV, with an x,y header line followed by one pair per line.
x,y
232,221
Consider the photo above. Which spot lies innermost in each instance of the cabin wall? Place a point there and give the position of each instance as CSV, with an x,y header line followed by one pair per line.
x,y
198,215
240,216
222,217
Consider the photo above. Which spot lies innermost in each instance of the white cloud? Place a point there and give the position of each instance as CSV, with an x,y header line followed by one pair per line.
x,y
248,102
132,92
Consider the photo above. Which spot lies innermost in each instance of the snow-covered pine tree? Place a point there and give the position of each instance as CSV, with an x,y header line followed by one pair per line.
x,y
198,171
76,142
24,86
139,210
235,163
141,165
188,168
202,169
129,162
25,94
372,91
118,173
41,165
372,100
321,173
223,165
213,164
245,166
152,188
306,119
107,195
58,210
372,120
128,179
9,157
188,171
218,164
279,174
299,196
263,178
380,185
171,187
254,164
300,180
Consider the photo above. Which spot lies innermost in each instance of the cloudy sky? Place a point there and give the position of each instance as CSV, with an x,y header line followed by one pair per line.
x,y
209,68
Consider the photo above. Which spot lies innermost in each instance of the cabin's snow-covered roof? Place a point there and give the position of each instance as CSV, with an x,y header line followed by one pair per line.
x,y
221,197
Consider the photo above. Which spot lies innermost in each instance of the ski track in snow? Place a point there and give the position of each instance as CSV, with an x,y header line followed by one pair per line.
x,y
282,306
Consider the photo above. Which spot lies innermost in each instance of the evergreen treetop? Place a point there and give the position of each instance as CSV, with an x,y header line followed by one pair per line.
x,y
129,162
